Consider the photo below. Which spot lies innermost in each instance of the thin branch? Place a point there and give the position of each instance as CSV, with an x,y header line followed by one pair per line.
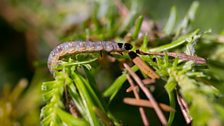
x,y
131,88
147,103
148,81
145,81
148,95
183,56
141,109
184,108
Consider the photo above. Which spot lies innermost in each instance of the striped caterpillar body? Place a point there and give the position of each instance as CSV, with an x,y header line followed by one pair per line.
x,y
75,47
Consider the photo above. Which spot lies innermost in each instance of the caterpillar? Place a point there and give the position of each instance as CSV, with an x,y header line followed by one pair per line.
x,y
75,47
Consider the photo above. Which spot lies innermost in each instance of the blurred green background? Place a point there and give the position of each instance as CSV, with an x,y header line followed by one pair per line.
x,y
208,16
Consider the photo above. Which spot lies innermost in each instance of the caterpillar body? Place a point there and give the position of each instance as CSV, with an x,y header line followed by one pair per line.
x,y
75,47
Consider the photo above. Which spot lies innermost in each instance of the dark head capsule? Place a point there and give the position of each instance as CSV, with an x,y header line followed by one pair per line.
x,y
125,46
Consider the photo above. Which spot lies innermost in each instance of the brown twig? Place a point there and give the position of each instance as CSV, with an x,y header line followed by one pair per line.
x,y
146,103
148,81
145,81
183,56
184,108
70,105
148,95
143,66
141,109
131,88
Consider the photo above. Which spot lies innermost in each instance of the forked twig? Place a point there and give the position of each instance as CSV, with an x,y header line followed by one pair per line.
x,y
148,95
141,109
145,81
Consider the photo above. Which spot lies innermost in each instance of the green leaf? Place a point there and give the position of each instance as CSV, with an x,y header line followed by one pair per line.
x,y
173,105
137,27
169,27
170,85
176,43
145,42
70,120
86,99
115,87
184,25
90,90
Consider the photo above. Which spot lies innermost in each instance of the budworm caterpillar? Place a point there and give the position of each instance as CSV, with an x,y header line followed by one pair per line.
x,y
75,47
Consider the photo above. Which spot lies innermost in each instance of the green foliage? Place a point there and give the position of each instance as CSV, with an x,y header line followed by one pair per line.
x,y
187,78
115,87
80,91
8,102
20,105
52,94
